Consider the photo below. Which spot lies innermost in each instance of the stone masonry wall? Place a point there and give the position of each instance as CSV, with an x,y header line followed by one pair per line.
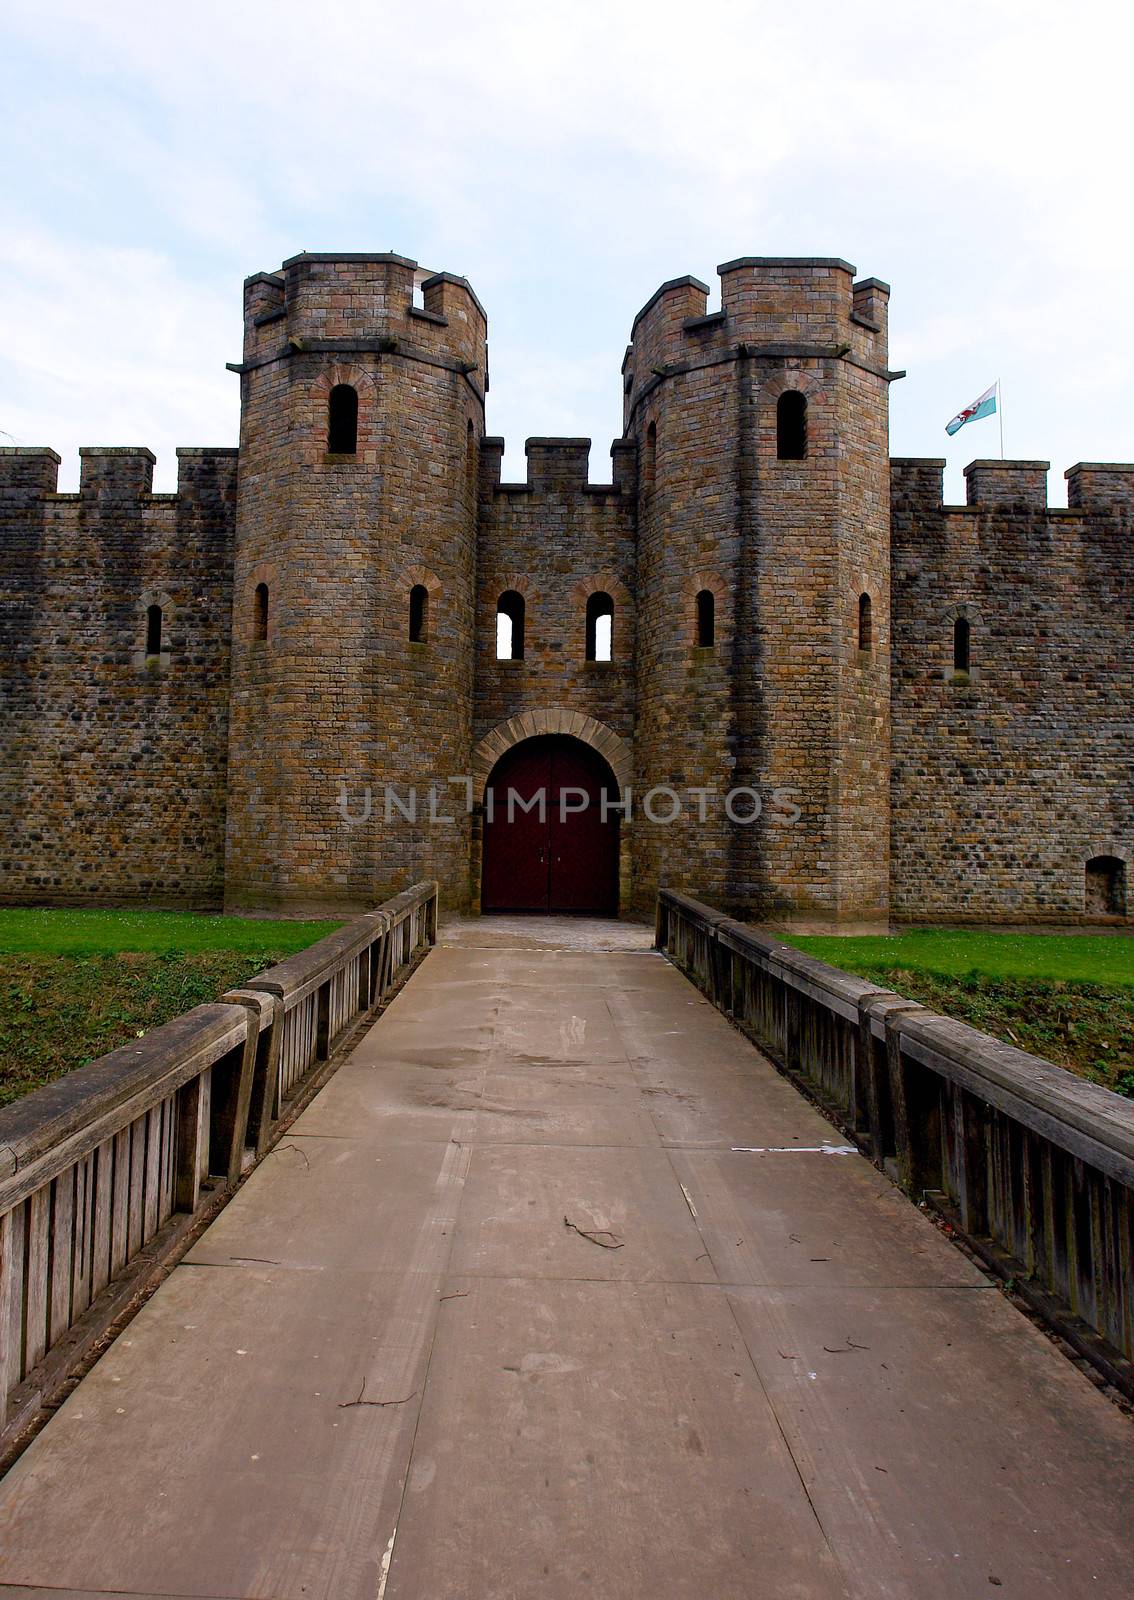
x,y
784,702
112,763
337,702
1008,779
556,539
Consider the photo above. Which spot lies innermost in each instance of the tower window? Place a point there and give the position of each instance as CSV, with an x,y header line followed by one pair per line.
x,y
865,623
260,612
706,619
650,466
153,630
962,654
600,626
791,426
342,420
510,626
1106,887
418,613
471,452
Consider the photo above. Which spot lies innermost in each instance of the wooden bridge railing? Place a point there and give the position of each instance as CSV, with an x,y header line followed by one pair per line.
x,y
1031,1165
106,1171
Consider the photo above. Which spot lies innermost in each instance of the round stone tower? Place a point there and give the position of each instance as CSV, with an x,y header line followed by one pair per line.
x,y
362,410
763,584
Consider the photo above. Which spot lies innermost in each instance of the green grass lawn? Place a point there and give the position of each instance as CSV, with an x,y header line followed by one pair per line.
x,y
1069,998
88,933
75,984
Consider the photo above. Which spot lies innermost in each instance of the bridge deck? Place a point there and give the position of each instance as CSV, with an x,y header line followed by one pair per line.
x,y
390,1368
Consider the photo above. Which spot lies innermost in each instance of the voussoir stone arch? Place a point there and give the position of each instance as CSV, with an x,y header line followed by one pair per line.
x,y
779,381
341,372
519,581
428,579
601,583
551,719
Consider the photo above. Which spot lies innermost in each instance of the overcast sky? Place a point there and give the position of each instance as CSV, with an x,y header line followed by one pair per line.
x,y
567,159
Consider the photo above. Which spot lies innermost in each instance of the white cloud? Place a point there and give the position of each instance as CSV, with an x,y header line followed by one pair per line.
x,y
568,159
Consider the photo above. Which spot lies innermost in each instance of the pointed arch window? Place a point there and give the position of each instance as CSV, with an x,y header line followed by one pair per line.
x,y
342,421
510,626
706,619
962,645
791,426
600,626
418,614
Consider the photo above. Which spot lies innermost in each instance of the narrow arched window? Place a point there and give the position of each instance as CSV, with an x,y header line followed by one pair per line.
x,y
650,466
153,630
1106,887
962,654
510,626
342,420
418,613
471,452
706,619
600,626
865,623
260,612
791,426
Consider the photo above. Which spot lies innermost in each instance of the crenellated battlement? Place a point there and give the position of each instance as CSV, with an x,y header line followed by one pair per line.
x,y
27,473
559,466
364,302
807,306
916,483
118,473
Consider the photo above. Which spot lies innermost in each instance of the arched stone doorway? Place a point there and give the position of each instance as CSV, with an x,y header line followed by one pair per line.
x,y
548,846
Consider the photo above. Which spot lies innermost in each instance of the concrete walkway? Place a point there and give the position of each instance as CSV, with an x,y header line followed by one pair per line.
x,y
556,1290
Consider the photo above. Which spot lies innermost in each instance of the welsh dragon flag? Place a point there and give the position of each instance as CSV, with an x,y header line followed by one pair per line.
x,y
984,407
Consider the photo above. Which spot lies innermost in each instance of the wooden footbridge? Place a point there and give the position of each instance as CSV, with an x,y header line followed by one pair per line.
x,y
524,1270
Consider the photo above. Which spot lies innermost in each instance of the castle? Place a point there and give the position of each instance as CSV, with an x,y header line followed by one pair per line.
x,y
241,694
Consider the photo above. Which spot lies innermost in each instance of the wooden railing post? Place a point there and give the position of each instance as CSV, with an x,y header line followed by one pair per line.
x,y
192,1160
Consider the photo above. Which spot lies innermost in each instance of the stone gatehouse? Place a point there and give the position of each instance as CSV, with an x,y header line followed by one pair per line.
x,y
300,681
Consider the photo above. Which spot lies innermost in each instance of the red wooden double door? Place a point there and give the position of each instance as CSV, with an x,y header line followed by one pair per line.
x,y
559,855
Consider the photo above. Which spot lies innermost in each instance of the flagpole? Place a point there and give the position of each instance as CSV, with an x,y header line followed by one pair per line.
x,y
1000,414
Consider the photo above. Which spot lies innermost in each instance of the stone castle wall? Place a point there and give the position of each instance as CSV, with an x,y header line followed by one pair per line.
x,y
247,761
1008,779
112,762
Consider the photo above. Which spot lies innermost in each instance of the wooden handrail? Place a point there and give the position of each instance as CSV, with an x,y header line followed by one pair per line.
x,y
1031,1164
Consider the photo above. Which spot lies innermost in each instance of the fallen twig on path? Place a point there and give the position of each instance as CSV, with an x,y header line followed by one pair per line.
x,y
595,1237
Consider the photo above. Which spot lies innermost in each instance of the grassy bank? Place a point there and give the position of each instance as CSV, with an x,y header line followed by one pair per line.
x,y
75,984
1069,998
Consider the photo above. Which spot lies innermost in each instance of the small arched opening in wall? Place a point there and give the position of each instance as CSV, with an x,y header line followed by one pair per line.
x,y
510,626
1104,889
599,626
650,463
791,425
151,654
342,420
962,666
418,614
154,618
865,623
705,620
260,614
